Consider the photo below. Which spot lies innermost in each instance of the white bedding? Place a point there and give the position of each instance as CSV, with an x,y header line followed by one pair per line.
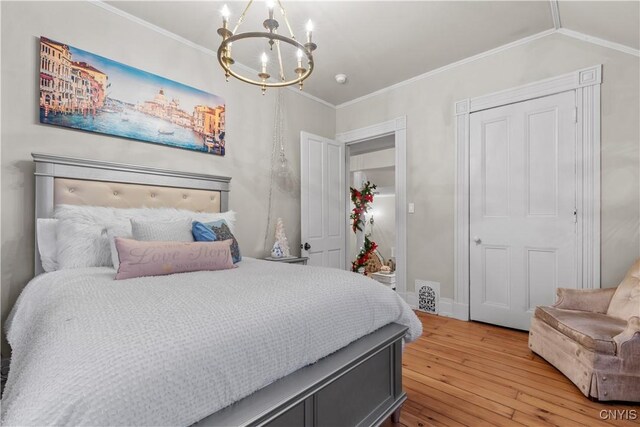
x,y
170,350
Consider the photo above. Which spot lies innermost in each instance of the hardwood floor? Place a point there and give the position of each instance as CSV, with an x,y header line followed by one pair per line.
x,y
473,374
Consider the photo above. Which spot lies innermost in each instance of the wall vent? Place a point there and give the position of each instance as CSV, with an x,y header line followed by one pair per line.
x,y
428,295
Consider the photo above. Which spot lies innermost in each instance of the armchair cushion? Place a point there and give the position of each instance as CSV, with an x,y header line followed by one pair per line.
x,y
625,303
594,331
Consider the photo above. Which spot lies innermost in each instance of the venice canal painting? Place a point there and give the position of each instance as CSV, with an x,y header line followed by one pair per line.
x,y
81,90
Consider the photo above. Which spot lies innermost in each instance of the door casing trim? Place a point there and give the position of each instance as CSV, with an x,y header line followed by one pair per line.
x,y
586,83
398,128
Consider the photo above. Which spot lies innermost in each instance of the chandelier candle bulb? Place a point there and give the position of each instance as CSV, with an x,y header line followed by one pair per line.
x,y
224,31
270,6
309,30
225,12
263,60
299,55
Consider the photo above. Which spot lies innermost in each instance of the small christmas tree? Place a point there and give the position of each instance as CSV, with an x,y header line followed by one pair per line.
x,y
281,245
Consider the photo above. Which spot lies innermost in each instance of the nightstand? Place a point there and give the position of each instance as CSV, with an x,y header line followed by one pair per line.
x,y
388,280
289,260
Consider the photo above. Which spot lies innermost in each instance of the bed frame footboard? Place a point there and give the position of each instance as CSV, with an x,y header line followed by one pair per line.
x,y
359,385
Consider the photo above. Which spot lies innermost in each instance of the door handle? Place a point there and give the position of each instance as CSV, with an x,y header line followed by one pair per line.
x,y
306,246
477,239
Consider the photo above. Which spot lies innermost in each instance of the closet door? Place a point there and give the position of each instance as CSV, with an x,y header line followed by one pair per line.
x,y
522,208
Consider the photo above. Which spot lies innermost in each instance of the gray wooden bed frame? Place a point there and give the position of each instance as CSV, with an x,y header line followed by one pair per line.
x,y
359,385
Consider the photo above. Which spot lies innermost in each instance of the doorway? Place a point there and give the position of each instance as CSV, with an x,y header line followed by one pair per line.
x,y
373,161
364,145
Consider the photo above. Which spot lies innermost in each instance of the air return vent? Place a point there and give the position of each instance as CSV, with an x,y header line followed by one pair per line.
x,y
428,295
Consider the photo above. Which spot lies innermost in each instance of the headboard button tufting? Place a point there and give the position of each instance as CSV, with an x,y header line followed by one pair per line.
x,y
126,195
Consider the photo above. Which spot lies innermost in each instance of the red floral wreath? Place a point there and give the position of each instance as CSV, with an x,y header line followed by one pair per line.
x,y
362,202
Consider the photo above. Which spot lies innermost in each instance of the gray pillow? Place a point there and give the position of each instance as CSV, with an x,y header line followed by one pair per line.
x,y
168,231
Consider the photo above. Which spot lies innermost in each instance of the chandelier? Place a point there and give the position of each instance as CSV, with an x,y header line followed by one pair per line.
x,y
272,40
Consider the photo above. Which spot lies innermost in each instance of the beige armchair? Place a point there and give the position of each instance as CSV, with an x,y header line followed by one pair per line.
x,y
593,337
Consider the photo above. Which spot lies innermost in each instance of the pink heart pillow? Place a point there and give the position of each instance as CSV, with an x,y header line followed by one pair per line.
x,y
144,258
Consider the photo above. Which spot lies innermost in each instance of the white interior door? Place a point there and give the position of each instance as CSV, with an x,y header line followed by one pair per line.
x,y
322,200
522,208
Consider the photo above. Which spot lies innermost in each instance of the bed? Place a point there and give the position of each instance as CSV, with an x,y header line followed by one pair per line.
x,y
249,346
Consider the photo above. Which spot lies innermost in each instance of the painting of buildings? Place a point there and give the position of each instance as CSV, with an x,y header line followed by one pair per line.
x,y
84,91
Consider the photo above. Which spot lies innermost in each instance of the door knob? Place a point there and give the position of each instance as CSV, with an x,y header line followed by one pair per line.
x,y
477,239
306,246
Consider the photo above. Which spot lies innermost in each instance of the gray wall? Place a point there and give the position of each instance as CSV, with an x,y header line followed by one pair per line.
x,y
428,105
249,125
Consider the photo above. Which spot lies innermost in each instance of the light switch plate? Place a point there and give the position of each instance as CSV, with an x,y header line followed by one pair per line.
x,y
412,207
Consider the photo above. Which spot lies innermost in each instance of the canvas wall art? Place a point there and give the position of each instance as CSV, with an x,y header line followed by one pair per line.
x,y
84,91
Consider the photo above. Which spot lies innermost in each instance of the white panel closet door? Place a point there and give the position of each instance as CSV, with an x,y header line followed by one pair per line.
x,y
522,208
322,201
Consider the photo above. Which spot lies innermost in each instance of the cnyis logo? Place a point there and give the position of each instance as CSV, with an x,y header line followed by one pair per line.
x,y
619,414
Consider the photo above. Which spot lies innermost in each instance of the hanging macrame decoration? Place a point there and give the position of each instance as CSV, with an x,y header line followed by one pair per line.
x,y
281,178
281,246
280,167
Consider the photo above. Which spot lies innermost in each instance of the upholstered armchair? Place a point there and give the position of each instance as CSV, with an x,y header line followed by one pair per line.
x,y
593,337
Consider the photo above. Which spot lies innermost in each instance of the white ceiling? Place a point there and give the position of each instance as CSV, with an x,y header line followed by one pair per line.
x,y
380,43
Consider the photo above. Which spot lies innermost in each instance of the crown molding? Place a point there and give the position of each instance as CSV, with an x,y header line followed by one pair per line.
x,y
598,41
193,45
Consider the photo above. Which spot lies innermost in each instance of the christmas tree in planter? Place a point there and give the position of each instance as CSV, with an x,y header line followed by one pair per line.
x,y
281,246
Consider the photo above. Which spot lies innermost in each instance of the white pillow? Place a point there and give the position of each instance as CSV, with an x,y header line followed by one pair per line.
x,y
112,233
170,231
83,239
82,236
47,245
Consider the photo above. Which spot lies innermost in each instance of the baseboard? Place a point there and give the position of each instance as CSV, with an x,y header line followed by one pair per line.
x,y
447,307
461,311
456,310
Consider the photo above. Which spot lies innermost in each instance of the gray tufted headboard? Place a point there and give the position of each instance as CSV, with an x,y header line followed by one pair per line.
x,y
67,180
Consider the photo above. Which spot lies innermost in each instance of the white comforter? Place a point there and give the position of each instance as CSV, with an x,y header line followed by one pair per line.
x,y
88,350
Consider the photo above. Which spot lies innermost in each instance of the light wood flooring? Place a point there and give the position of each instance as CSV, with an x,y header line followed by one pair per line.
x,y
473,374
